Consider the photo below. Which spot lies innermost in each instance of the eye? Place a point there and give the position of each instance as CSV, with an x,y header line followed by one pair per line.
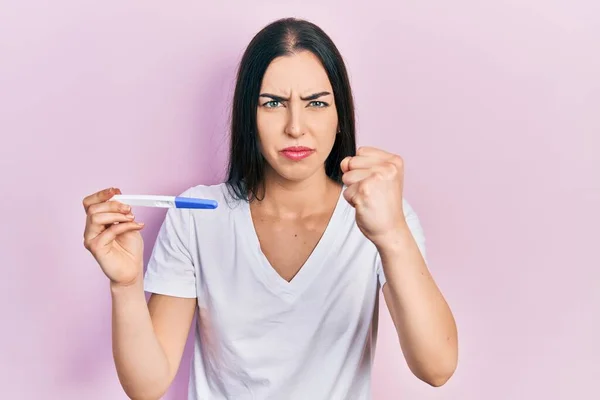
x,y
272,104
318,104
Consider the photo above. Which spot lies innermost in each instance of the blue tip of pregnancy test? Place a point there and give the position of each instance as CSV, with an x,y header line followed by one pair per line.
x,y
189,202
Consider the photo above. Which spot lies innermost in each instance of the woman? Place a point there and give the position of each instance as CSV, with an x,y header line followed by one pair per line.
x,y
285,273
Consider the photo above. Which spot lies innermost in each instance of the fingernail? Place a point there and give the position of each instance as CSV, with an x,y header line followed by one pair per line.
x,y
140,223
126,208
130,216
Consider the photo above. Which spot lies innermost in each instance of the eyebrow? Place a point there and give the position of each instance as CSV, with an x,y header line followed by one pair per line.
x,y
313,96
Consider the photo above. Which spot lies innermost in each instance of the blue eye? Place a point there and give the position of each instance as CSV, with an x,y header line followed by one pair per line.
x,y
271,104
318,104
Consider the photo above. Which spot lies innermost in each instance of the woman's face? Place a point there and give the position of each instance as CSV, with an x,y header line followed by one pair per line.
x,y
296,116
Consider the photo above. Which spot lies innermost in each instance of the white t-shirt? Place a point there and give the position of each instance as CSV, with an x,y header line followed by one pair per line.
x,y
259,336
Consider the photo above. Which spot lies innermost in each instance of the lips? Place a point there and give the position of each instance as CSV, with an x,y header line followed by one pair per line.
x,y
297,153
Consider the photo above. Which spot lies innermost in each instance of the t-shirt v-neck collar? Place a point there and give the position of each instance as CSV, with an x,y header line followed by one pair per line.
x,y
311,267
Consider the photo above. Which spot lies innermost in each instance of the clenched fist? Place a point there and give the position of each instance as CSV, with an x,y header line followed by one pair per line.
x,y
375,181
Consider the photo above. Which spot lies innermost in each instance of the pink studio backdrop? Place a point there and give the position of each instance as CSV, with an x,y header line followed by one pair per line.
x,y
495,107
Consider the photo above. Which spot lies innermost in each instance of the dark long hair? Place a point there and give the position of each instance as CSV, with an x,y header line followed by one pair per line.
x,y
283,37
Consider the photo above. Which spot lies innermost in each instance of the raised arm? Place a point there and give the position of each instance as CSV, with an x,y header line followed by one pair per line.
x,y
424,322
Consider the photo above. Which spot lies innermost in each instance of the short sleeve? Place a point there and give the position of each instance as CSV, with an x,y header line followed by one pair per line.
x,y
416,230
170,269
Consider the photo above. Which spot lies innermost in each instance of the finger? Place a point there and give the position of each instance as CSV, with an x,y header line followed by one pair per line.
x,y
350,194
98,223
95,225
99,197
372,151
356,175
110,234
381,154
103,219
358,162
344,164
111,206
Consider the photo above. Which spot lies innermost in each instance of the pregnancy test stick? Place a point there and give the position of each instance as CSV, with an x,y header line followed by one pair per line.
x,y
164,201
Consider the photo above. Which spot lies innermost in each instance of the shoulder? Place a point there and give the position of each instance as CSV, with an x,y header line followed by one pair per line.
x,y
414,225
215,191
409,211
411,217
220,192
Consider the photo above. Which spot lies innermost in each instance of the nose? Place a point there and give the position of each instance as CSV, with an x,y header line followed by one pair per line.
x,y
294,126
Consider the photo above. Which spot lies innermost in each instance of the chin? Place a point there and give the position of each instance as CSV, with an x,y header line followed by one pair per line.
x,y
295,176
295,173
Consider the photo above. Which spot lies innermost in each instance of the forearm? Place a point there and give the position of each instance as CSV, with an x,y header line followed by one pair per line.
x,y
423,320
141,363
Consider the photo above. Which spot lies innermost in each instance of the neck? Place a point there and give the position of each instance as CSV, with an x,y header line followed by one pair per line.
x,y
290,199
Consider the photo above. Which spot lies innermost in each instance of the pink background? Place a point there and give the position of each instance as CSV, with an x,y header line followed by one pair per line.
x,y
495,107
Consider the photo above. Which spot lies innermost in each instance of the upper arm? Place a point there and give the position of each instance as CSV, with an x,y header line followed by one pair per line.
x,y
171,318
